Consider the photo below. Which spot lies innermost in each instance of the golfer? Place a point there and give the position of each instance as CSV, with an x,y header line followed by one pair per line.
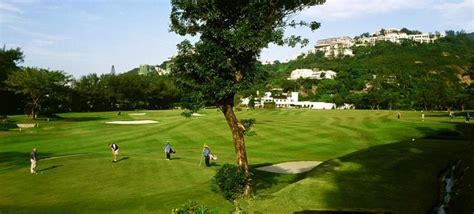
x,y
33,160
207,155
115,151
168,150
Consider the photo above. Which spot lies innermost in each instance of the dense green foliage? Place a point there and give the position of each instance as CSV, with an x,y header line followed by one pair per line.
x,y
394,173
44,88
247,123
191,207
390,75
124,92
9,60
232,35
230,181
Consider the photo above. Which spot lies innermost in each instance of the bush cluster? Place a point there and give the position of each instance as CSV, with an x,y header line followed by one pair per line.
x,y
230,181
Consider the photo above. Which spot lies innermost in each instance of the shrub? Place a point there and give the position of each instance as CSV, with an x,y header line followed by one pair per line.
x,y
230,181
247,123
191,207
269,105
238,108
187,114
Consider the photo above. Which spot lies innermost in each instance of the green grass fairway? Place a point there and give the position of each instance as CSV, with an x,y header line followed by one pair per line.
x,y
370,161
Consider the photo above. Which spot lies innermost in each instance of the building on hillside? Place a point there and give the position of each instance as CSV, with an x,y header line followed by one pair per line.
x,y
311,74
335,47
397,36
292,101
161,71
146,69
342,46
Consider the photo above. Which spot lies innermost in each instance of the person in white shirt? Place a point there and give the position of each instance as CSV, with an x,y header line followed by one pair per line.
x,y
115,151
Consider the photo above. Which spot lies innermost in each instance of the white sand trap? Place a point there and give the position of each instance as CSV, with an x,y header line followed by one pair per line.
x,y
291,167
132,122
197,115
137,114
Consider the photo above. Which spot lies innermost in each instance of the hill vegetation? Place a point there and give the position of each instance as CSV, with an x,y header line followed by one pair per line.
x,y
389,75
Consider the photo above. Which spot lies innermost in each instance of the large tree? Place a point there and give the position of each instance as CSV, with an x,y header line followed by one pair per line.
x,y
223,61
9,60
37,84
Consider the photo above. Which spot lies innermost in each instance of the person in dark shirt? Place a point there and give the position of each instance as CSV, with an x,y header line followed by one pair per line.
x,y
115,151
33,160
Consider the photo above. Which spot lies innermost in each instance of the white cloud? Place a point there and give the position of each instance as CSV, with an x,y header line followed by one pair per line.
x,y
457,14
9,13
446,14
42,42
38,35
6,7
6,18
338,9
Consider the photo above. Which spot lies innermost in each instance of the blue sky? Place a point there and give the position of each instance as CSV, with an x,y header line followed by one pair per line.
x,y
89,36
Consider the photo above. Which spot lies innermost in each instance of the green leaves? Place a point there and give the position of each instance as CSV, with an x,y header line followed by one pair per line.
x,y
232,35
230,181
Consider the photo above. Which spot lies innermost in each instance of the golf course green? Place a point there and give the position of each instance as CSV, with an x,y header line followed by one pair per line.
x,y
370,161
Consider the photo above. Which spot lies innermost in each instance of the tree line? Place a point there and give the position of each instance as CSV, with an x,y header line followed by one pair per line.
x,y
36,91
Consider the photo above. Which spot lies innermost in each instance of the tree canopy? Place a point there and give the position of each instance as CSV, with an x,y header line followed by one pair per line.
x,y
37,84
9,60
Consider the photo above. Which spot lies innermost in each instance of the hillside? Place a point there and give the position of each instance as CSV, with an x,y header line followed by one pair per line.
x,y
389,75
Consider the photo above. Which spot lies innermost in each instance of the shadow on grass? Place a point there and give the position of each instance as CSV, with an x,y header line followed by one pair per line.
x,y
176,158
265,183
401,177
457,115
5,126
123,158
49,168
82,119
16,160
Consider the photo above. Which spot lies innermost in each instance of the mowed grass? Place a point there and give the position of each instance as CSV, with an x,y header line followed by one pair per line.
x,y
371,162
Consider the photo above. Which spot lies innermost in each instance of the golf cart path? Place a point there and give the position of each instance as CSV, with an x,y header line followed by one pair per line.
x,y
291,167
133,122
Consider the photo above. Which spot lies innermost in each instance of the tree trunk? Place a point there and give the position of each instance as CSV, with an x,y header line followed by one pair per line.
x,y
33,109
226,106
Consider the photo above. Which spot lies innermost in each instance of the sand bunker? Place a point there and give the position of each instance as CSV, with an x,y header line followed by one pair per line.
x,y
291,167
137,114
132,122
197,115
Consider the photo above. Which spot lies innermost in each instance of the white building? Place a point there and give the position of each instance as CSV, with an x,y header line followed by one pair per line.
x,y
335,47
311,74
161,71
396,36
293,102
